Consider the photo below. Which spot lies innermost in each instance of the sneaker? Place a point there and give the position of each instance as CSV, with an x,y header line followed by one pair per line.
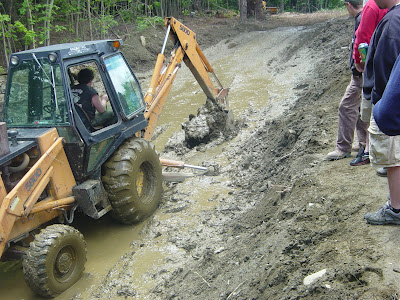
x,y
383,216
337,154
362,158
381,172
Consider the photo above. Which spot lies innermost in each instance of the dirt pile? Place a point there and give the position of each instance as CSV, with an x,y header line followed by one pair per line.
x,y
211,122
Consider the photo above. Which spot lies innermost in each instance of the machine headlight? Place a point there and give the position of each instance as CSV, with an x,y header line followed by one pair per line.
x,y
53,57
14,60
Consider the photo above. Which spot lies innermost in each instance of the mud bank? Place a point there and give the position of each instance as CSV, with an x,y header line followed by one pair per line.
x,y
277,212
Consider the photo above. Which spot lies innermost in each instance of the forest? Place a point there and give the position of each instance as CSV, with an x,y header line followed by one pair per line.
x,y
27,24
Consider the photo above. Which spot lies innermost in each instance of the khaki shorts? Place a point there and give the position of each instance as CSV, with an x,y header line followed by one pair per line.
x,y
384,150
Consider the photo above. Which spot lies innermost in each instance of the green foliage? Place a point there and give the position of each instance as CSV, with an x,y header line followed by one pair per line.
x,y
305,5
4,18
19,29
105,23
59,28
64,15
146,22
127,15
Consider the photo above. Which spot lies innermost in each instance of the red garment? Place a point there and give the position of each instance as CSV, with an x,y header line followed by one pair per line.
x,y
370,17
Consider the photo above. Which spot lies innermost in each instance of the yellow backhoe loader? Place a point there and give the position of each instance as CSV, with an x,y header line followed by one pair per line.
x,y
55,162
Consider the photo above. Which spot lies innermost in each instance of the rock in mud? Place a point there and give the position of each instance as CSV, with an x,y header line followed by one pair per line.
x,y
211,122
314,277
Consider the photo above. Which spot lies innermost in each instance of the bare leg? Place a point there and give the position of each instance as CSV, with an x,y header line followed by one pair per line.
x,y
394,186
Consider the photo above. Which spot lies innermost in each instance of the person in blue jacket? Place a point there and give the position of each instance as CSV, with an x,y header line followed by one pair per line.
x,y
387,111
384,150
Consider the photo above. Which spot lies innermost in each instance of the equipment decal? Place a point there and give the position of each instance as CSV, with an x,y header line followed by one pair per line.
x,y
184,29
33,179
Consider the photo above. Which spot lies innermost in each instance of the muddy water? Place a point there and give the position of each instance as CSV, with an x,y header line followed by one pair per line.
x,y
106,242
243,65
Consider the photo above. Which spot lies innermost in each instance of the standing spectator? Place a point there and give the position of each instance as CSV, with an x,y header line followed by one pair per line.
x,y
387,111
384,150
371,16
349,106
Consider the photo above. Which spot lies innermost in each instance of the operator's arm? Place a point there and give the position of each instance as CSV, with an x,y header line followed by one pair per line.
x,y
100,104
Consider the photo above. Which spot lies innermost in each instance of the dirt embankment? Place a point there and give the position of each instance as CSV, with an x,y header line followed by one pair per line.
x,y
287,212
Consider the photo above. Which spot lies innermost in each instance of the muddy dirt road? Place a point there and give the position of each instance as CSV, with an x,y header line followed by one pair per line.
x,y
276,211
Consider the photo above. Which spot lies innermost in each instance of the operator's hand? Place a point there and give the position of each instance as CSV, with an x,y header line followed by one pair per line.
x,y
360,67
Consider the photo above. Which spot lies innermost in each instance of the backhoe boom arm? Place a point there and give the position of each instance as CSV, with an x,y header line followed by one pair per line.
x,y
187,49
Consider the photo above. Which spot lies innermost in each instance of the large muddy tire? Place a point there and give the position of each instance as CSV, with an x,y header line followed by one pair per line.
x,y
132,178
55,260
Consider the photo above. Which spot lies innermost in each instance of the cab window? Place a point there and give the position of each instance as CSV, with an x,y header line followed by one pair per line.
x,y
35,95
126,85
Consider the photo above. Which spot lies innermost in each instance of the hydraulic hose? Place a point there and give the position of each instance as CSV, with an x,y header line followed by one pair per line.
x,y
22,166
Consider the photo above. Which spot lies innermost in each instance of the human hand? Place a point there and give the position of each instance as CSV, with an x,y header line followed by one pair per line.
x,y
360,67
105,98
365,110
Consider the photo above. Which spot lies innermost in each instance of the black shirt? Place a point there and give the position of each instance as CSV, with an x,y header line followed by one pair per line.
x,y
83,95
357,20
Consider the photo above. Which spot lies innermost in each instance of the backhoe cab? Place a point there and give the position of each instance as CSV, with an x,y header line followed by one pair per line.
x,y
55,161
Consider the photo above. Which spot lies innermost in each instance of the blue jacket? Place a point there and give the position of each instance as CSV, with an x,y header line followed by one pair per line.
x,y
382,54
387,111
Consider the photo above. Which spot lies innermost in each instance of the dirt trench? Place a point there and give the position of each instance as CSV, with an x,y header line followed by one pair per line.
x,y
283,211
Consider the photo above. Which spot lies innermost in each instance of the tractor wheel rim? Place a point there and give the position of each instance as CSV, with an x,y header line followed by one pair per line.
x,y
64,262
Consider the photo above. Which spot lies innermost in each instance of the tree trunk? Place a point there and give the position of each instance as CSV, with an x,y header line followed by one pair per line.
x,y
30,21
259,13
4,44
243,10
102,18
90,20
47,22
77,19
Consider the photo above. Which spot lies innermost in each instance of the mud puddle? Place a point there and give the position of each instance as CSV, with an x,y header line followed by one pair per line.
x,y
106,242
